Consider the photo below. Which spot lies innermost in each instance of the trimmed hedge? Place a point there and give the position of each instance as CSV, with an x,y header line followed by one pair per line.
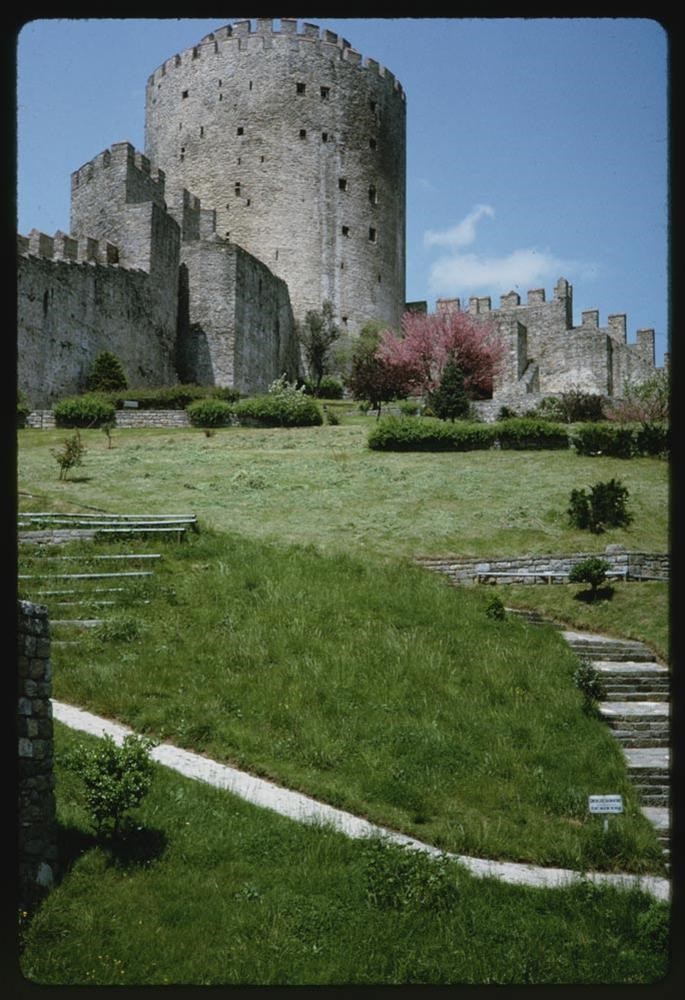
x,y
529,433
653,439
84,411
210,413
616,440
173,397
430,434
280,410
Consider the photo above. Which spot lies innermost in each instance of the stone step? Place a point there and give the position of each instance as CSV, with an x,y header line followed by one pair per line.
x,y
648,759
636,711
630,740
620,693
603,648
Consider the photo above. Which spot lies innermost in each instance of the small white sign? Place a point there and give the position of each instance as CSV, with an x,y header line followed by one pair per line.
x,y
605,803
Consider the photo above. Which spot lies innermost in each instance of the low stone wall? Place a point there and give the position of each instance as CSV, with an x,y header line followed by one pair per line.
x,y
38,857
547,568
45,419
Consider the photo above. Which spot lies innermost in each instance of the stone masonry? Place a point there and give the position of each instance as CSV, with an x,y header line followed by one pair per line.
x,y
37,820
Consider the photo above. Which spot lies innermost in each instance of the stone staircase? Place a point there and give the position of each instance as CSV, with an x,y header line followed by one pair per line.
x,y
637,709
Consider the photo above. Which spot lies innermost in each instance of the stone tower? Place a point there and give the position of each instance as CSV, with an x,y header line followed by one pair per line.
x,y
298,144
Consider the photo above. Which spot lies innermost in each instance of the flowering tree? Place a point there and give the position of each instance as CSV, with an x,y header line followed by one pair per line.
x,y
429,342
374,378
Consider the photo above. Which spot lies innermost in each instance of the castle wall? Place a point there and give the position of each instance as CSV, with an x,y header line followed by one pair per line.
x,y
236,323
68,312
298,144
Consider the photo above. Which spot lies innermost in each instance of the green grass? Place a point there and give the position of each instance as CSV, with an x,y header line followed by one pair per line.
x,y
375,687
208,890
324,486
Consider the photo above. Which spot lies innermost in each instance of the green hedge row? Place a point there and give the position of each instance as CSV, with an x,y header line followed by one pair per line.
x,y
173,397
430,434
280,410
84,411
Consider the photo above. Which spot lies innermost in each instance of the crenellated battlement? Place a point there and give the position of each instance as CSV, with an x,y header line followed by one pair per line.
x,y
143,181
245,35
61,247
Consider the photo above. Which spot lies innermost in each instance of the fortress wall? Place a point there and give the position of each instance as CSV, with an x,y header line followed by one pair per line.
x,y
236,324
298,143
69,312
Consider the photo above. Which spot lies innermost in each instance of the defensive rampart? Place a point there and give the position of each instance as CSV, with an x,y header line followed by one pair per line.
x,y
298,143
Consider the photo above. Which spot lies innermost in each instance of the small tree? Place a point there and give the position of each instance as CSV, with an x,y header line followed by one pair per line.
x,y
592,571
372,377
604,507
317,335
70,454
449,401
116,778
106,374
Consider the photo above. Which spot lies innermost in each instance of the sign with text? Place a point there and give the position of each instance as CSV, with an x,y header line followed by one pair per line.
x,y
605,803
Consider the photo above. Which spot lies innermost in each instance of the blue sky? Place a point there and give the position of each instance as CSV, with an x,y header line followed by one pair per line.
x,y
536,148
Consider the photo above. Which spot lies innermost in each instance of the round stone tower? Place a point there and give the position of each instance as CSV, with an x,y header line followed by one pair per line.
x,y
298,144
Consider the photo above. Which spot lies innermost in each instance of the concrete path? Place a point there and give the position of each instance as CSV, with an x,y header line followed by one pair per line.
x,y
307,810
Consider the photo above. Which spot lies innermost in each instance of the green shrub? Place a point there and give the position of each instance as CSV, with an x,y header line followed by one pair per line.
x,y
331,417
173,397
70,454
530,433
329,388
496,610
116,778
653,439
210,412
106,373
589,683
429,434
23,409
83,411
605,438
592,571
285,405
448,400
506,413
604,507
408,407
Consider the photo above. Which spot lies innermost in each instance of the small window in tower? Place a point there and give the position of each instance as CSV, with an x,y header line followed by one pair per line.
x,y
250,84
261,159
247,202
342,265
301,87
379,279
184,94
238,161
240,130
303,133
344,319
372,105
372,234
182,157
219,82
221,97
324,137
237,188
346,230
373,195
325,93
372,143
276,255
202,131
342,183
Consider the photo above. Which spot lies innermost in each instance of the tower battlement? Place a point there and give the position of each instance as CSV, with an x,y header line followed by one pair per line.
x,y
246,36
62,247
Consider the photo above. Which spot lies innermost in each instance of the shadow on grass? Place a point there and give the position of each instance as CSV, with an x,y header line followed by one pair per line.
x,y
592,596
132,846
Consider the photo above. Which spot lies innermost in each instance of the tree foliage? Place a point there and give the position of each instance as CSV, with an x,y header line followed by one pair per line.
x,y
372,377
106,374
429,341
647,401
317,334
448,400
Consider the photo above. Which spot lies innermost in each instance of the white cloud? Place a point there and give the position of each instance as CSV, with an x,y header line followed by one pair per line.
x,y
520,270
463,233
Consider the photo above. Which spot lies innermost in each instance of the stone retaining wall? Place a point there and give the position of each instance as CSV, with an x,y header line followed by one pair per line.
x,y
635,566
45,419
36,800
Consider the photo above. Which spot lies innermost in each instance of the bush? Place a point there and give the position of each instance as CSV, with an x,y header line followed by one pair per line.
x,y
210,413
448,400
589,682
603,439
592,571
408,407
116,778
653,439
429,434
528,433
329,388
23,410
331,417
604,507
174,397
71,454
83,411
496,610
106,373
285,405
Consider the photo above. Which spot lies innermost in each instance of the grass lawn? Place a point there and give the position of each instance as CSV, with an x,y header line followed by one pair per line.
x,y
294,637
208,890
324,486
